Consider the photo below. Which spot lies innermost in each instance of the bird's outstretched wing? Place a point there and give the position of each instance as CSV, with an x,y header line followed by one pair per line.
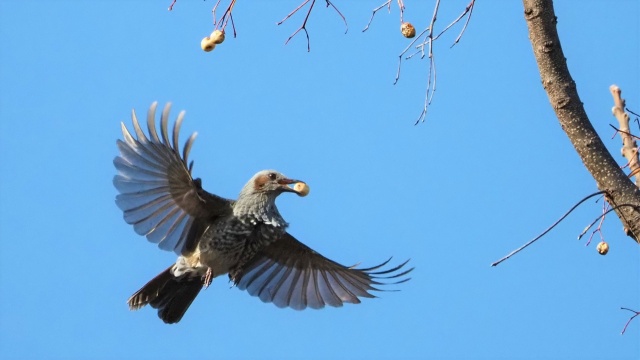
x,y
157,193
290,274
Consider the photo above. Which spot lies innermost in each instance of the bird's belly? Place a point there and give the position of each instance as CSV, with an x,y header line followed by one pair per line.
x,y
219,263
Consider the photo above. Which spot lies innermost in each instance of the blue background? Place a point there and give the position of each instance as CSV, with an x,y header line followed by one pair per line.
x,y
487,171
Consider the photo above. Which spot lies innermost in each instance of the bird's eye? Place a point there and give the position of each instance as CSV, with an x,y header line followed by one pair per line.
x,y
272,176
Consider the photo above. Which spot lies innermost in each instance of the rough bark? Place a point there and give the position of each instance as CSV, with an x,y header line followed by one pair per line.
x,y
563,95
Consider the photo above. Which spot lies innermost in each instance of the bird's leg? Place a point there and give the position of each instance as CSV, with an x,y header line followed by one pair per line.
x,y
208,278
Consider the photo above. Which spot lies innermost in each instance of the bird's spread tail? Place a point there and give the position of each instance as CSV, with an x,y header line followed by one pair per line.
x,y
171,295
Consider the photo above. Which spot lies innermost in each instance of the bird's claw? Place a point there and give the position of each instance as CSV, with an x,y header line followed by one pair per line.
x,y
234,276
208,278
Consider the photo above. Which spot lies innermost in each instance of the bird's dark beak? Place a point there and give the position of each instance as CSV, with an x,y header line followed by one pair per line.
x,y
300,187
284,182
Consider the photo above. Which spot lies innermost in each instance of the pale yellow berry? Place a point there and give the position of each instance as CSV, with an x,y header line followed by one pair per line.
x,y
217,36
207,44
301,188
407,30
603,248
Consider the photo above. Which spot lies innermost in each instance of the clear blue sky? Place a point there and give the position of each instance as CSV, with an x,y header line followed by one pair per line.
x,y
489,169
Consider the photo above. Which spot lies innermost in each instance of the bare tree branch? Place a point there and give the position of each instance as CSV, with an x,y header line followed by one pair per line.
x,y
388,5
605,211
601,217
629,146
428,39
563,95
306,18
628,321
432,65
631,112
549,228
304,23
226,16
469,9
346,26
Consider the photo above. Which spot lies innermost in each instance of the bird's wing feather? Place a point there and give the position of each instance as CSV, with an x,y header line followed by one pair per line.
x,y
290,274
157,193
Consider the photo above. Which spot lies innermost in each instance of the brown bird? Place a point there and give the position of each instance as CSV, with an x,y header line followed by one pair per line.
x,y
244,238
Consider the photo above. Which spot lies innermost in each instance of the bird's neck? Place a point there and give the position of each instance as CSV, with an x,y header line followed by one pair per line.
x,y
260,207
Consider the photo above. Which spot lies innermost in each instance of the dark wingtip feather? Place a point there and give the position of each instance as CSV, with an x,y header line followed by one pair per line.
x,y
378,277
385,271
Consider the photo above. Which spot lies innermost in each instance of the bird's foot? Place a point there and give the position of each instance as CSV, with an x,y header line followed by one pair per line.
x,y
234,276
208,278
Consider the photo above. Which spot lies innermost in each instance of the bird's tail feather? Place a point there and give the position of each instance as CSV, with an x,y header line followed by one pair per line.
x,y
171,295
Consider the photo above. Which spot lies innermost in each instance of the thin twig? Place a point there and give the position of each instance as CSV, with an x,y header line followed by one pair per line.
x,y
616,207
233,25
226,16
294,11
304,23
470,9
432,69
171,6
605,208
329,3
630,154
622,131
430,89
388,5
626,108
404,52
549,229
628,321
428,41
466,10
427,38
213,12
636,116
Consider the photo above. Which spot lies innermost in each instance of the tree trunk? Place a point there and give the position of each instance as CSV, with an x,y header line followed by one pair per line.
x,y
563,95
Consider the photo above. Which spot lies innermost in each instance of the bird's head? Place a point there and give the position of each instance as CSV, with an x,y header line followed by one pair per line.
x,y
268,182
258,196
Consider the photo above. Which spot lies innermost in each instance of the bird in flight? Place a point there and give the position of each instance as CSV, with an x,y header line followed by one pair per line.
x,y
245,238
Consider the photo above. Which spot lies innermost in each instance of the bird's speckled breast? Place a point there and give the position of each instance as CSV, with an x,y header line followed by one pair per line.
x,y
233,241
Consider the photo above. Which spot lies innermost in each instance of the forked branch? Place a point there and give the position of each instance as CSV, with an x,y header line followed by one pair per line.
x,y
226,17
303,27
628,321
388,5
425,40
605,211
552,226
